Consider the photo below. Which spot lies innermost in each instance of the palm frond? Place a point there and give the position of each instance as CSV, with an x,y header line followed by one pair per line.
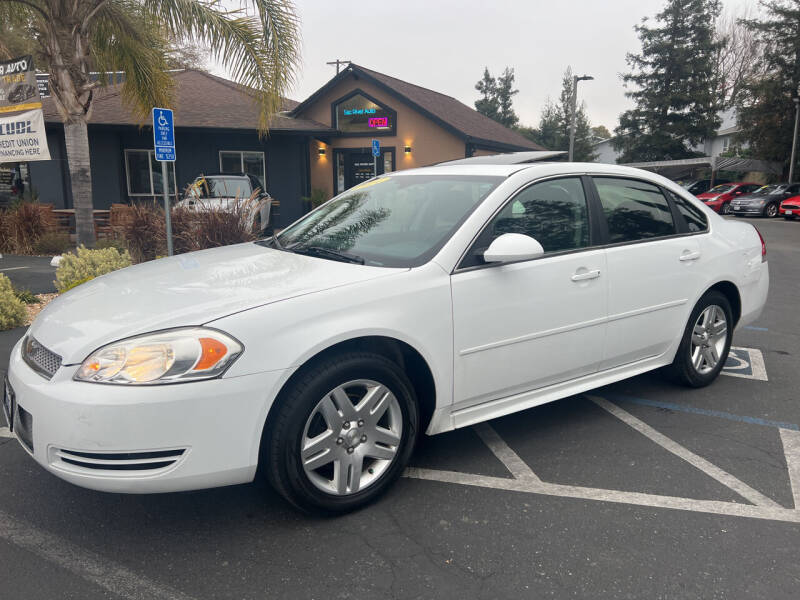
x,y
261,52
127,39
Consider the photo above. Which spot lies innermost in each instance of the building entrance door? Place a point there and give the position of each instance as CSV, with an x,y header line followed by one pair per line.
x,y
359,167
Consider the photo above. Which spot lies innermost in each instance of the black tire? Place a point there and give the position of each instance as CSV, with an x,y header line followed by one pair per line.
x,y
771,210
725,209
280,447
682,369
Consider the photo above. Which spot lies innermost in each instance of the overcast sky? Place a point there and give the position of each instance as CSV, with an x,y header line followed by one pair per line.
x,y
445,44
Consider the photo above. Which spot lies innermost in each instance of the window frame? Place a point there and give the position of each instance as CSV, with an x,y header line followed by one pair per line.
x,y
356,92
681,227
591,218
241,163
152,193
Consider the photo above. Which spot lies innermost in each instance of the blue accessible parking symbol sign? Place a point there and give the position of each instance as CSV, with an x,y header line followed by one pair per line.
x,y
163,134
376,148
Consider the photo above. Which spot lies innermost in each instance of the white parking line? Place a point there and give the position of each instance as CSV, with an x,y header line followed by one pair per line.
x,y
791,449
13,269
91,567
693,459
515,465
732,509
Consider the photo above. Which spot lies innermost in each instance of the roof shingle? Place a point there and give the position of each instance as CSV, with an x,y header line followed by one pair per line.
x,y
201,100
446,109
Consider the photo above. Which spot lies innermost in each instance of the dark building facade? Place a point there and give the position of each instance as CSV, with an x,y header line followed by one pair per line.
x,y
216,130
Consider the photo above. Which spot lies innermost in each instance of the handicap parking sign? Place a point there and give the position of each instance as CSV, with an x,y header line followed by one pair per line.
x,y
163,134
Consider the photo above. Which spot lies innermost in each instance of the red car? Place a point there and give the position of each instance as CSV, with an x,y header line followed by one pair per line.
x,y
790,208
719,197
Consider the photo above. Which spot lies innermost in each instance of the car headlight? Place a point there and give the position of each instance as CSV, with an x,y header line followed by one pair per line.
x,y
172,356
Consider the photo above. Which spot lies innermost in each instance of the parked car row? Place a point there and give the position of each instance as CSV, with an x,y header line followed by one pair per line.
x,y
745,199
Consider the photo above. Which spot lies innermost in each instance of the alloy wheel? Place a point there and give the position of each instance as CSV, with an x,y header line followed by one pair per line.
x,y
709,336
772,210
726,208
351,437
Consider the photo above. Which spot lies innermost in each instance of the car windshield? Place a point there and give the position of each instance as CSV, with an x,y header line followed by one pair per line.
x,y
396,221
219,187
766,190
721,189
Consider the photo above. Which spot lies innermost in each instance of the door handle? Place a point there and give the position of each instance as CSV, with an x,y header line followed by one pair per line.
x,y
687,255
584,275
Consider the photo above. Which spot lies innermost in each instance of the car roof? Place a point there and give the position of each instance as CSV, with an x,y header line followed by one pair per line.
x,y
544,168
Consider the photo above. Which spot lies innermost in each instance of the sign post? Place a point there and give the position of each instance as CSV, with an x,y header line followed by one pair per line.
x,y
376,152
164,146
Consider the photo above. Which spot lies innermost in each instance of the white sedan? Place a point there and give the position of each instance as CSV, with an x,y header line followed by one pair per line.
x,y
420,301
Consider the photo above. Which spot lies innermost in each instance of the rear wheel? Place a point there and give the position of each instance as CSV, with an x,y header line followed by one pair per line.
x,y
342,434
706,341
771,210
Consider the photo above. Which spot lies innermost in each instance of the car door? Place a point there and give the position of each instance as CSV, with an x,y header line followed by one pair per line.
x,y
529,324
653,273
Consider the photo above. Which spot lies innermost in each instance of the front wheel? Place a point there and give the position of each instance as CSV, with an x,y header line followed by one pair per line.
x,y
706,341
726,208
771,211
342,433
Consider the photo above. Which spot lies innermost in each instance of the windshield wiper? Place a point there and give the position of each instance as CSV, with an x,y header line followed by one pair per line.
x,y
321,252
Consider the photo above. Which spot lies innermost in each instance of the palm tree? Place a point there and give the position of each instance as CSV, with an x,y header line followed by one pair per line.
x,y
258,43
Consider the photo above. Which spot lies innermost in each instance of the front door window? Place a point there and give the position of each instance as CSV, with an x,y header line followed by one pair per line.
x,y
355,167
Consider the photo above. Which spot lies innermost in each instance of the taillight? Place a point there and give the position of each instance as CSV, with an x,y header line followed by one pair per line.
x,y
763,245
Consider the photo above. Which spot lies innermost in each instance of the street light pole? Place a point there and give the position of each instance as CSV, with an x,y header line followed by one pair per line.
x,y
794,139
575,80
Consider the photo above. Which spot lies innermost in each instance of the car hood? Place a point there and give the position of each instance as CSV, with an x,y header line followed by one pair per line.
x,y
189,289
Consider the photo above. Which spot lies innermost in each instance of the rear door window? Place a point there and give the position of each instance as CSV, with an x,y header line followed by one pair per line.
x,y
696,220
634,210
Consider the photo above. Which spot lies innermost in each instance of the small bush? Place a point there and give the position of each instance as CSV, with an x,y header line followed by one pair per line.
x,y
52,243
145,236
115,243
144,232
26,296
23,225
88,264
12,309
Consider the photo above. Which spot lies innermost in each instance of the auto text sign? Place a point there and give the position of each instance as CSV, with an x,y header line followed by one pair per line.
x,y
18,87
22,138
163,134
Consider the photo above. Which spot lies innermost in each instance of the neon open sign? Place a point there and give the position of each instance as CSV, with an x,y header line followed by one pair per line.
x,y
378,121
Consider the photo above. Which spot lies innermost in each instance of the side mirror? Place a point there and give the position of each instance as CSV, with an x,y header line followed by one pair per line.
x,y
512,247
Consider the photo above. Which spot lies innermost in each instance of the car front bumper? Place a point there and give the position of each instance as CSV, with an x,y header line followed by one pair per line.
x,y
143,439
747,209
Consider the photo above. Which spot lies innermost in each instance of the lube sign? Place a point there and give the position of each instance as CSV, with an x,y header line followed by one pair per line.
x,y
23,138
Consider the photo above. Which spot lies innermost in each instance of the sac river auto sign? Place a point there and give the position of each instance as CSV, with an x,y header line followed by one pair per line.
x,y
18,87
22,138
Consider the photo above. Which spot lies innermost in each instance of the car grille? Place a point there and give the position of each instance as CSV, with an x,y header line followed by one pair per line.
x,y
116,463
39,358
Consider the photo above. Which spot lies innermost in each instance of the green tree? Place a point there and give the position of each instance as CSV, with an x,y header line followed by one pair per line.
x,y
487,105
601,132
554,124
765,106
674,84
497,97
505,98
259,43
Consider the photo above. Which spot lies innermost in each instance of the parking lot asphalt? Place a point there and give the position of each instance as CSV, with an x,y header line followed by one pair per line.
x,y
641,489
32,273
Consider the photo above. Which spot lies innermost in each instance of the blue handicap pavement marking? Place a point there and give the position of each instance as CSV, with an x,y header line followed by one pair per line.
x,y
739,361
755,328
700,411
